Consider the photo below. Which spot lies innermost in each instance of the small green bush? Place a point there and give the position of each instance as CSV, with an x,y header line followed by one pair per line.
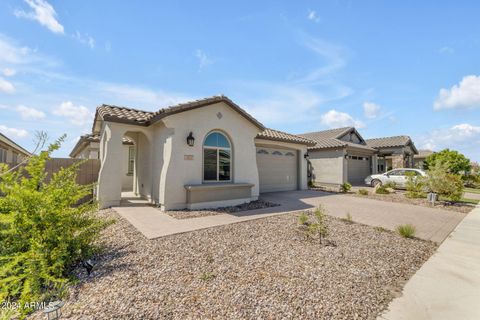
x,y
348,218
43,230
446,185
406,230
415,186
382,190
363,192
207,276
345,187
391,185
303,219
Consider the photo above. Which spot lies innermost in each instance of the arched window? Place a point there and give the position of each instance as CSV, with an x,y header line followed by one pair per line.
x,y
217,157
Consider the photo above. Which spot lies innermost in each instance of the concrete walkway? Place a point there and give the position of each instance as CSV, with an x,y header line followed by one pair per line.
x,y
431,224
448,284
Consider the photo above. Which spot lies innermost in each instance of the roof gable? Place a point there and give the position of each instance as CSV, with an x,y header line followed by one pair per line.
x,y
146,118
392,142
336,138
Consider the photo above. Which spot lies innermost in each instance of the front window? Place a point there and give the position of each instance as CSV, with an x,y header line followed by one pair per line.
x,y
217,158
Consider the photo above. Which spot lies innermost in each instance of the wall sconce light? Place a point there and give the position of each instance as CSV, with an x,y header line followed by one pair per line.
x,y
306,156
190,139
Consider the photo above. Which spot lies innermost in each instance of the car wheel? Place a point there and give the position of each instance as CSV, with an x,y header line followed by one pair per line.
x,y
376,182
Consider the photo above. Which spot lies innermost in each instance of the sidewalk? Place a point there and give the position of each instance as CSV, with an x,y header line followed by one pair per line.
x,y
447,286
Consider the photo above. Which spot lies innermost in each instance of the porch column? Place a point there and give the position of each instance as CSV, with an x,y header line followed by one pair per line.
x,y
109,189
374,164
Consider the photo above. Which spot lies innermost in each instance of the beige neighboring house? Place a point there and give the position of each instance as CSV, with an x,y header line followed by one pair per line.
x,y
419,158
10,152
340,155
393,152
200,154
88,147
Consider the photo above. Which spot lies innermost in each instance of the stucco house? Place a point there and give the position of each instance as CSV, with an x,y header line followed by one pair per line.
x,y
419,158
343,155
200,154
88,147
340,155
10,152
393,152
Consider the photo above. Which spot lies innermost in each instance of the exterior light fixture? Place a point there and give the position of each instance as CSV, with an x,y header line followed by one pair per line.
x,y
306,156
54,310
190,139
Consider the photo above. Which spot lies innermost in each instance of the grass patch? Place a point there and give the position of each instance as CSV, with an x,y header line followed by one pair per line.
x,y
207,276
406,230
380,229
363,192
382,190
471,201
472,190
348,218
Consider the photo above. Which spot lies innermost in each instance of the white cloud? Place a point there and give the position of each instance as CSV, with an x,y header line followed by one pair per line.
x,y
6,86
203,59
43,13
7,72
333,56
313,16
446,50
9,132
10,53
371,110
77,115
337,119
459,137
466,94
30,113
84,39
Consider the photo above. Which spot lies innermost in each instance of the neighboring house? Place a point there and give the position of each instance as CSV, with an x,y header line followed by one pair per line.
x,y
393,152
340,155
200,154
10,152
419,158
88,147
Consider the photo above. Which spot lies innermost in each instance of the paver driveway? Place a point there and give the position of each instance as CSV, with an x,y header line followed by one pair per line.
x,y
432,224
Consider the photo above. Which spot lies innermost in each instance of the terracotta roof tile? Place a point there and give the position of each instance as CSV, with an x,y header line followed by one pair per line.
x,y
270,134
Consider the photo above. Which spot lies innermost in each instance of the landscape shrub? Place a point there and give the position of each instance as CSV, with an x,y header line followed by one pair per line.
x,y
415,186
382,190
406,230
447,185
303,219
316,226
363,192
390,185
43,232
345,187
348,218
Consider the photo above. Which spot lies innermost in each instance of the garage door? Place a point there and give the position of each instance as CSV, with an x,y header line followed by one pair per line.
x,y
358,169
277,169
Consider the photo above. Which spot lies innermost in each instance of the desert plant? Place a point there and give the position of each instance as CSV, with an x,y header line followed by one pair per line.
x,y
43,231
345,187
319,225
363,192
415,186
303,219
206,276
406,230
446,185
382,190
348,218
390,185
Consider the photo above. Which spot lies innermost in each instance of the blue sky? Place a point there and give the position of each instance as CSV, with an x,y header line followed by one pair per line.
x,y
389,68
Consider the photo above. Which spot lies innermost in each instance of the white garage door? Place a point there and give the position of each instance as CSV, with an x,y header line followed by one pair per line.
x,y
358,169
277,169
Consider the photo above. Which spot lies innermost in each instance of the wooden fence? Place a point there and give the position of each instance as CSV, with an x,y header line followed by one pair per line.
x,y
87,172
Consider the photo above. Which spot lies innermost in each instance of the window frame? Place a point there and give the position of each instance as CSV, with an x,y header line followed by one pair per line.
x,y
217,149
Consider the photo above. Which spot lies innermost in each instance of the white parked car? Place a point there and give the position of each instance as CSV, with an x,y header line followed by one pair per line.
x,y
396,176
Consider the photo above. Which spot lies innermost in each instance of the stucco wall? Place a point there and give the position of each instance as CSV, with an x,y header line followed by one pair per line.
x,y
178,171
329,166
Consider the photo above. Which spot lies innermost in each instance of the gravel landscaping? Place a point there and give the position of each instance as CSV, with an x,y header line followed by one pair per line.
x,y
262,269
188,214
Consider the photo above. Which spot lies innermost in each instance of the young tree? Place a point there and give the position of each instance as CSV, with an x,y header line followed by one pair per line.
x,y
455,162
443,183
44,232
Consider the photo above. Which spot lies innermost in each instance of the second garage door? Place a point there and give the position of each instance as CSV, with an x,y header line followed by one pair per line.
x,y
277,169
358,169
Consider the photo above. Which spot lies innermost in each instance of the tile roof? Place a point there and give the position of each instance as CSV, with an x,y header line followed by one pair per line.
x,y
13,145
330,139
145,118
385,142
87,138
270,134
